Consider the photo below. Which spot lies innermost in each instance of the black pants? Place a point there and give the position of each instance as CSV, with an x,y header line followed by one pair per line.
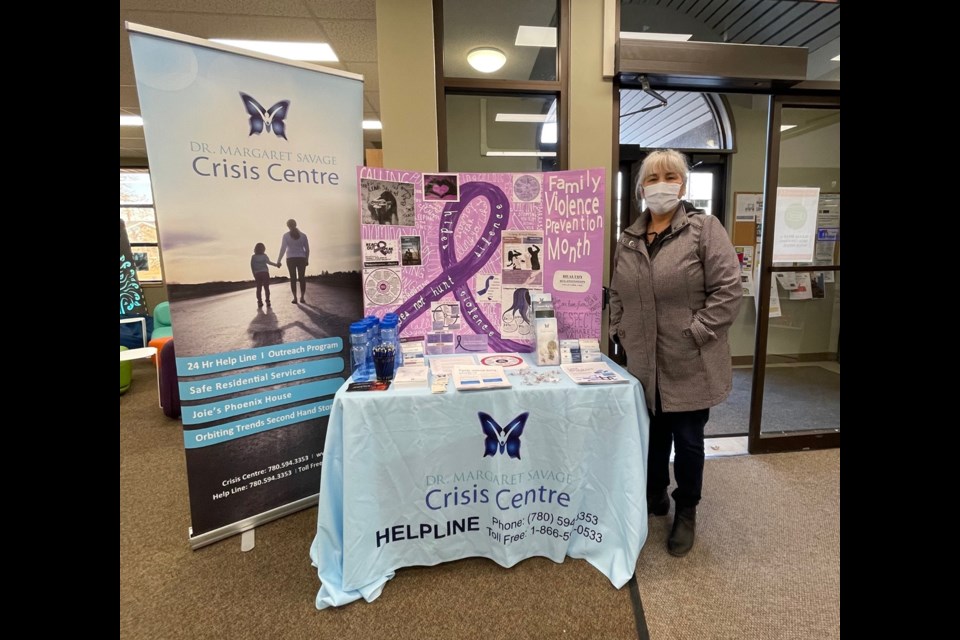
x,y
297,267
684,430
263,284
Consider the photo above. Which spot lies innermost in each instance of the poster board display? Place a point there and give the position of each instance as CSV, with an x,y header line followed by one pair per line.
x,y
458,255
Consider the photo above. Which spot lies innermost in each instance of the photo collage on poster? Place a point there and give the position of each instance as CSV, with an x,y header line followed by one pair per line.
x,y
459,257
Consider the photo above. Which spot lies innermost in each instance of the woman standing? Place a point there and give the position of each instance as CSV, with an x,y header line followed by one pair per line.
x,y
295,246
675,292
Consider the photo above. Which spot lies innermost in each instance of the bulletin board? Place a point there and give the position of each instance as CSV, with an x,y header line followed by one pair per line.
x,y
748,208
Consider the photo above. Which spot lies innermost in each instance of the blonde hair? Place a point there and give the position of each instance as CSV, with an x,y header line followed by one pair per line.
x,y
663,161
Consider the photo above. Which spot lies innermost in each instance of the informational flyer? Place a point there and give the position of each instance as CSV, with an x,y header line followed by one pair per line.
x,y
817,285
787,280
774,300
826,250
749,207
745,255
803,289
460,256
828,210
795,232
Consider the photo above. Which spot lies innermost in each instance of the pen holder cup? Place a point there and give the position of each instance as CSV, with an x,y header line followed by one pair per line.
x,y
384,360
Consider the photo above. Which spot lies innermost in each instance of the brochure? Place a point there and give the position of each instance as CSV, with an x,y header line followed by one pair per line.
x,y
479,377
592,373
444,366
410,376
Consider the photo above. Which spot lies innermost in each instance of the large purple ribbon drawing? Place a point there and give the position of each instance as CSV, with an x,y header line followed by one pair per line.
x,y
457,273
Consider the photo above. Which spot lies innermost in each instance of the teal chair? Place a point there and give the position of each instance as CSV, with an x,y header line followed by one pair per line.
x,y
162,324
126,373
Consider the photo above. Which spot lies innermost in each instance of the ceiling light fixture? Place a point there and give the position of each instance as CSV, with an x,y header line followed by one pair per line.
x,y
787,127
486,59
372,124
131,121
307,51
835,58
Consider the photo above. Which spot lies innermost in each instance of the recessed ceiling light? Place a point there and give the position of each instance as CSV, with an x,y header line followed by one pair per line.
x,y
486,59
308,51
650,35
372,124
525,117
785,127
835,58
536,36
131,121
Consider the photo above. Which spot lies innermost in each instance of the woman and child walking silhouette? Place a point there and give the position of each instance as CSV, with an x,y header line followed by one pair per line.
x,y
294,245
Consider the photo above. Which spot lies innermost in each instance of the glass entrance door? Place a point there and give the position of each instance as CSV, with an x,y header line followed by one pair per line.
x,y
796,378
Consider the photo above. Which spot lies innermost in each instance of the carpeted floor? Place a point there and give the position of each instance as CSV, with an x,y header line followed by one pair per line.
x,y
795,398
766,564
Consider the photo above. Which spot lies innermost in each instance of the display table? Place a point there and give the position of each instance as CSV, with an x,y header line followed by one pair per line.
x,y
406,481
136,354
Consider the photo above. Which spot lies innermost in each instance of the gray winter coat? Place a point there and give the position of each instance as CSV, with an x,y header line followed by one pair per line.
x,y
672,315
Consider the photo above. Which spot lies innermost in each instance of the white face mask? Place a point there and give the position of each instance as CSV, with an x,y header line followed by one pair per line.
x,y
662,197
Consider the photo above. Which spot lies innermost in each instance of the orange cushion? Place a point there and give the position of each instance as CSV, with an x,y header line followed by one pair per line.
x,y
158,343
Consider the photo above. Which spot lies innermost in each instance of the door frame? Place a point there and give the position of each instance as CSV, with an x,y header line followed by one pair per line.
x,y
800,440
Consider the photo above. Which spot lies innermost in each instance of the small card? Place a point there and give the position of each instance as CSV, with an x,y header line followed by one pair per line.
x,y
372,385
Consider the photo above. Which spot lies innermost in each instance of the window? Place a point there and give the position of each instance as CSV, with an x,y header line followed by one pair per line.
x,y
139,216
522,36
700,190
685,121
501,84
501,133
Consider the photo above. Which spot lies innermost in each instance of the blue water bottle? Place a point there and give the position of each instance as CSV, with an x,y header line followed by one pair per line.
x,y
368,325
375,330
388,334
359,352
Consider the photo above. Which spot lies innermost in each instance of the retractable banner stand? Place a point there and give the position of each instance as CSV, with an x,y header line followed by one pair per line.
x,y
459,256
252,157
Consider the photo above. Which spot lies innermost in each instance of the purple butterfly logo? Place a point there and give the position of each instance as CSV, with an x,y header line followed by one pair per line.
x,y
271,119
502,438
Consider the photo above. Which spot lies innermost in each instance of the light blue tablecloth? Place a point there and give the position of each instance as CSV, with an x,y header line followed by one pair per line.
x,y
405,481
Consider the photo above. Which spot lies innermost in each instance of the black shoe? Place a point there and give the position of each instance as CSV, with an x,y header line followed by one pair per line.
x,y
302,299
684,529
268,303
294,301
260,304
658,504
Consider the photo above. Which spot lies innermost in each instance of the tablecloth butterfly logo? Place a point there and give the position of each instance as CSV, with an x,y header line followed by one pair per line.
x,y
271,119
502,438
